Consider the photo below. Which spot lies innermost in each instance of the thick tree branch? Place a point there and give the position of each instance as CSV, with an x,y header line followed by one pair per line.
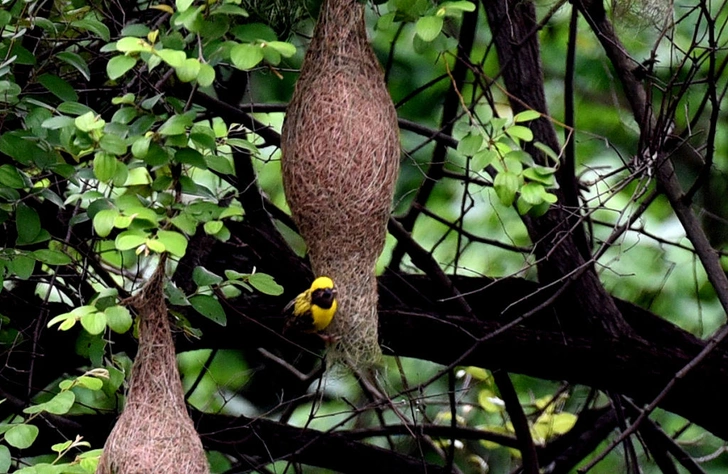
x,y
558,236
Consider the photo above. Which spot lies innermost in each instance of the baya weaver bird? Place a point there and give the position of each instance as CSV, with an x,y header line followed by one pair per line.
x,y
313,309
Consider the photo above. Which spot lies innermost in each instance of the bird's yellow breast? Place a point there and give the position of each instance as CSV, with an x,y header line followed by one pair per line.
x,y
322,316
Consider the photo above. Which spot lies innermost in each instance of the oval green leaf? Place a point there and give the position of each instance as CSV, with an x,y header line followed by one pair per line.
x,y
506,186
129,240
175,242
21,436
118,319
265,284
94,323
61,403
51,257
27,224
189,70
204,277
209,307
104,166
119,65
428,27
246,55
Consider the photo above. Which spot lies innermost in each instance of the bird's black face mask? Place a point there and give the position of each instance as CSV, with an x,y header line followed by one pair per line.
x,y
323,297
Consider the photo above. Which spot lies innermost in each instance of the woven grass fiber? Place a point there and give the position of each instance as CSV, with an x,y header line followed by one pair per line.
x,y
154,433
340,162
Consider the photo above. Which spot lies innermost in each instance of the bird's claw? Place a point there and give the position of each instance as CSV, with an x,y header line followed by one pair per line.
x,y
329,339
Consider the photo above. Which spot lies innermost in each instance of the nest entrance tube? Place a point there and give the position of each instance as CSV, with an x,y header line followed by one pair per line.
x,y
154,433
340,162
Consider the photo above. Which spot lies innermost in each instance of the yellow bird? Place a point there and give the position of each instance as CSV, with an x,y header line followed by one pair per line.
x,y
313,309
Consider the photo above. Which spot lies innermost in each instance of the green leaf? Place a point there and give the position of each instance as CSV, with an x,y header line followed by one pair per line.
x,y
140,147
89,121
229,9
75,61
190,19
118,319
204,277
561,423
175,242
58,122
540,174
119,65
94,323
512,164
285,49
124,115
189,70
60,447
212,227
470,144
209,307
5,458
206,76
428,27
5,18
172,57
104,166
458,6
58,87
27,224
127,99
490,402
185,223
175,295
21,436
254,32
104,220
265,284
73,108
520,132
91,383
176,125
155,246
113,144
531,193
191,157
11,177
547,151
506,186
183,5
61,403
135,29
526,116
130,44
246,55
51,257
94,26
129,239
21,266
204,137
482,159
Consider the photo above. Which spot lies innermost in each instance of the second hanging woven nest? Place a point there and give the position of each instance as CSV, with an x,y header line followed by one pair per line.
x,y
340,145
154,433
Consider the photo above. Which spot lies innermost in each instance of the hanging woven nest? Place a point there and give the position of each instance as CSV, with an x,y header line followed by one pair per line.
x,y
340,146
154,433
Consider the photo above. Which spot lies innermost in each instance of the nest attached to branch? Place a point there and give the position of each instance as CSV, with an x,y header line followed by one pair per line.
x,y
341,149
154,433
